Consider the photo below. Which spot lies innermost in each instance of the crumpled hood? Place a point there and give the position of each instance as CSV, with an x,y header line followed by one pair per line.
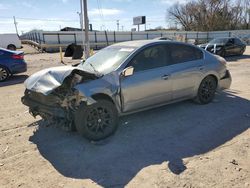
x,y
47,80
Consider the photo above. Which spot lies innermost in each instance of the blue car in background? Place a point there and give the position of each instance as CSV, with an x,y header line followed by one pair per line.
x,y
11,62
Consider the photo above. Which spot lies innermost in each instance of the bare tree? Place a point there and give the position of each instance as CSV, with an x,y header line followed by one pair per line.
x,y
207,15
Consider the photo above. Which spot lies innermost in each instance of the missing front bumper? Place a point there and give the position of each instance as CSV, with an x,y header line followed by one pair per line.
x,y
37,108
226,81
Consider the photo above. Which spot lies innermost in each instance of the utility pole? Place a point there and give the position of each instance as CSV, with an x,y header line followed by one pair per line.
x,y
84,12
86,24
117,22
81,20
15,24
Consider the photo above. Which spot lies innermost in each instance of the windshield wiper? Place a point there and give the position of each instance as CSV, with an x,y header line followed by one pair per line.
x,y
97,72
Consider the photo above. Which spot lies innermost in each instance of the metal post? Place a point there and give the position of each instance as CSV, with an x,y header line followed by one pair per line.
x,y
86,24
107,40
95,40
81,20
58,38
61,56
75,38
197,38
15,24
35,37
43,39
114,37
117,22
39,38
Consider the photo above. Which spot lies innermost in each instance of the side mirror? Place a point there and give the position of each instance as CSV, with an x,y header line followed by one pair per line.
x,y
128,71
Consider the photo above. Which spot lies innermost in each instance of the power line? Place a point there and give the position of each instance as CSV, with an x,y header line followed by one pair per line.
x,y
99,5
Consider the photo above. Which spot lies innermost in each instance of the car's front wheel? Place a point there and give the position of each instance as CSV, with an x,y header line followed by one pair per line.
x,y
4,74
97,121
206,91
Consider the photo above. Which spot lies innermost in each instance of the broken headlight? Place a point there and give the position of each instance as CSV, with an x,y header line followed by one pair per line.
x,y
76,80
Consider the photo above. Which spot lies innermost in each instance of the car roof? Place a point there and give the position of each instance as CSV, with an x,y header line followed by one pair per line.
x,y
140,43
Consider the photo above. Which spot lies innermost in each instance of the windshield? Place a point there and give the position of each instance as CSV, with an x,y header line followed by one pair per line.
x,y
106,60
219,41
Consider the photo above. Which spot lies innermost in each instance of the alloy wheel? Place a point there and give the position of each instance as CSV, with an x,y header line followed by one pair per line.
x,y
208,88
98,120
3,74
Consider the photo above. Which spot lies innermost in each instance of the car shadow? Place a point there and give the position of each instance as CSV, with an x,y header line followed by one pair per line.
x,y
237,57
166,134
15,79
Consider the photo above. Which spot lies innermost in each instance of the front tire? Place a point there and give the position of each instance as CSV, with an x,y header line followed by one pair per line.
x,y
97,121
4,74
206,91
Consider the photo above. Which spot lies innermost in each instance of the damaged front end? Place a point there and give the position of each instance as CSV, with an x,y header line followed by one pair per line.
x,y
58,100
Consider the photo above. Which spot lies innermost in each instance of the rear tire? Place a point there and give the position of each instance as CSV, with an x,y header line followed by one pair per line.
x,y
206,91
11,47
4,74
97,121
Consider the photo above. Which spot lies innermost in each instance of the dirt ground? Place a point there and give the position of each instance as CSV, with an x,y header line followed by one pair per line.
x,y
179,145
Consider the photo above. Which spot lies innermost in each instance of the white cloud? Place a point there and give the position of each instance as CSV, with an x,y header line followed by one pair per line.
x,y
169,2
122,1
7,25
105,12
28,5
3,7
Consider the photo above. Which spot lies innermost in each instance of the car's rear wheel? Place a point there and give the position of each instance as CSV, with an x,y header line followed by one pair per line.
x,y
4,74
206,91
11,47
96,121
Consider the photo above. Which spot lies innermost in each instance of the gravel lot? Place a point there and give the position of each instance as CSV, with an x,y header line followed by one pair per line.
x,y
179,145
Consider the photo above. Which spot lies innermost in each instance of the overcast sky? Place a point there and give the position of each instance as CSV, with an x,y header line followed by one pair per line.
x,y
53,14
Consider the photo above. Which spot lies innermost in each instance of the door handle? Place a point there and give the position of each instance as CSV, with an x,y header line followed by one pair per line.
x,y
201,67
165,77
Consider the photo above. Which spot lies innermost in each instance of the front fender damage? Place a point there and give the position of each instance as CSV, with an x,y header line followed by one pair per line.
x,y
59,104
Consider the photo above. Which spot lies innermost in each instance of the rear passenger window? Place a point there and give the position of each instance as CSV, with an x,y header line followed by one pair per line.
x,y
181,53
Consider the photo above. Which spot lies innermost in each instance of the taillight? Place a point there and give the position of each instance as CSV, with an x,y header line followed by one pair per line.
x,y
221,60
17,56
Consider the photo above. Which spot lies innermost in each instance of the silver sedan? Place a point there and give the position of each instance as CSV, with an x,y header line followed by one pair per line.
x,y
121,79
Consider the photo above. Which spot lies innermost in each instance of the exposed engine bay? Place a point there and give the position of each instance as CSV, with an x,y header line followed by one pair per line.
x,y
58,105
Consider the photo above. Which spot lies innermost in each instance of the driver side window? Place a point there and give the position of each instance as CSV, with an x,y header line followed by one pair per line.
x,y
149,58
